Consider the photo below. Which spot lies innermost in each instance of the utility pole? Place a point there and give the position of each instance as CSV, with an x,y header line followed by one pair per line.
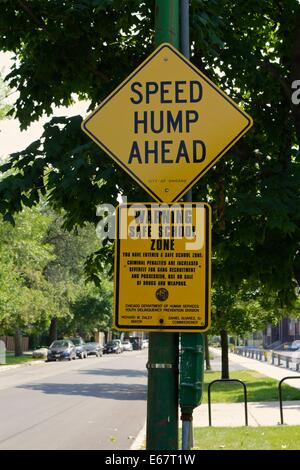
x,y
191,343
162,403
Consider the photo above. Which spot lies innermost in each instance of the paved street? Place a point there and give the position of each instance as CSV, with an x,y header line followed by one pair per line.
x,y
95,403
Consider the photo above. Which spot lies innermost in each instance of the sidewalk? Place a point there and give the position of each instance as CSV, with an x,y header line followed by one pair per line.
x,y
233,415
259,413
275,372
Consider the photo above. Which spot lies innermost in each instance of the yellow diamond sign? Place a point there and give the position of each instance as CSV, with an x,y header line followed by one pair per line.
x,y
167,124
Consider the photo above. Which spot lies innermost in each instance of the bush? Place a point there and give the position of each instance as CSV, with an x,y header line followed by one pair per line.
x,y
40,353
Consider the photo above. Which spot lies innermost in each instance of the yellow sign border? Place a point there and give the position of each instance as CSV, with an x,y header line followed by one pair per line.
x,y
208,81
117,260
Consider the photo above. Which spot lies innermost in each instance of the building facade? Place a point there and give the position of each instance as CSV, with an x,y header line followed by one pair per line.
x,y
286,331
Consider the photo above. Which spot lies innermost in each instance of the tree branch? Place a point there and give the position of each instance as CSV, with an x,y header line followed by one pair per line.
x,y
275,72
102,75
38,21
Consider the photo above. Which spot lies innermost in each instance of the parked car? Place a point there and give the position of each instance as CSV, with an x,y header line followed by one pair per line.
x,y
80,346
113,346
291,346
127,345
60,350
145,343
120,344
295,346
94,349
136,342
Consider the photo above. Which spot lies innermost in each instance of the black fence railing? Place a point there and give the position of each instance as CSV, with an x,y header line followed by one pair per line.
x,y
275,358
280,393
227,381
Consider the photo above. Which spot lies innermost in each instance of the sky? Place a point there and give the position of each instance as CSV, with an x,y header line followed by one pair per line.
x,y
12,139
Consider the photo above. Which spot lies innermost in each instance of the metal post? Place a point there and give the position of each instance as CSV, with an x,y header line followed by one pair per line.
x,y
186,413
187,435
227,381
280,402
280,393
162,403
185,29
167,22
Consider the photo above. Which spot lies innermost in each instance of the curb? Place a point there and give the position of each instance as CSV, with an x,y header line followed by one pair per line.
x,y
15,366
139,440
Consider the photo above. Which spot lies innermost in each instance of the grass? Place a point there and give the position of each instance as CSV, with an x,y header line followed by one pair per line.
x,y
259,388
12,360
261,438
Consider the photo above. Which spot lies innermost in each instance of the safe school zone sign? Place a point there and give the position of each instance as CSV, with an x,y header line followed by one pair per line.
x,y
162,267
167,124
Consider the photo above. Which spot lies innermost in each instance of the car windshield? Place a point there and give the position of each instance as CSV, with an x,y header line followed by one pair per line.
x,y
92,344
296,344
76,341
111,343
59,344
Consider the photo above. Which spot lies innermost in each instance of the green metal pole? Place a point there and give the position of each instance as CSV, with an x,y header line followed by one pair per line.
x,y
162,403
167,22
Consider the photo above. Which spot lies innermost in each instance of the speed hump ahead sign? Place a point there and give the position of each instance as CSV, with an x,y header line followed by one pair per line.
x,y
167,124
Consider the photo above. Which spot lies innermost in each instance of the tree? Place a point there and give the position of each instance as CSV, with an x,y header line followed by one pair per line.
x,y
91,311
66,272
255,195
4,93
248,309
24,301
42,278
206,353
87,47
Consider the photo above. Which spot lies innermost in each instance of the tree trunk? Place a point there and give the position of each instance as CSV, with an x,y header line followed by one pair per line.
x,y
18,342
207,359
53,330
225,360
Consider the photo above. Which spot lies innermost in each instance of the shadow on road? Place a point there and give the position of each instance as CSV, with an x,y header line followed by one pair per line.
x,y
114,391
115,372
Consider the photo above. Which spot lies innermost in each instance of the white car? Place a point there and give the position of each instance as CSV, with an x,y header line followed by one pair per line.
x,y
145,343
295,346
127,345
